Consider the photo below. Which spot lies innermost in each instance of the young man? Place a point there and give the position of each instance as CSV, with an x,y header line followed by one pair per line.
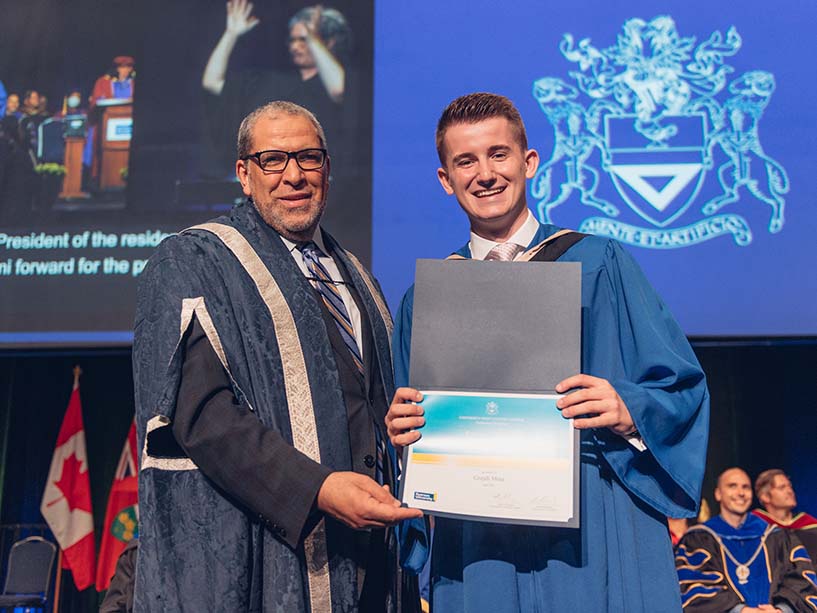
x,y
263,371
641,394
775,492
736,562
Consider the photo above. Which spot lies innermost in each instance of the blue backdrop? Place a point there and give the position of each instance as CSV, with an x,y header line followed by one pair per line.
x,y
678,107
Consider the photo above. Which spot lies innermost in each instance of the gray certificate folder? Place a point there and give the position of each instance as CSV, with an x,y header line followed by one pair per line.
x,y
495,326
483,332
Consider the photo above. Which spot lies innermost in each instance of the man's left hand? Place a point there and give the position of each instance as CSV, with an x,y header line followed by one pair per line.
x,y
597,402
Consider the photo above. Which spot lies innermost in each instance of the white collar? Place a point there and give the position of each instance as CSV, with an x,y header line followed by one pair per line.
x,y
523,236
317,238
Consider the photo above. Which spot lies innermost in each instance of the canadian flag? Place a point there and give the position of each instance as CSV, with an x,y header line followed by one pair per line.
x,y
66,504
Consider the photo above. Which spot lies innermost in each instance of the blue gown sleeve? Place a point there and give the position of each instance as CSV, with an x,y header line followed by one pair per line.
x,y
413,535
401,342
633,341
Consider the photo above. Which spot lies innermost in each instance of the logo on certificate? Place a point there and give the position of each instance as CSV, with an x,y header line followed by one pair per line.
x,y
492,408
427,496
655,144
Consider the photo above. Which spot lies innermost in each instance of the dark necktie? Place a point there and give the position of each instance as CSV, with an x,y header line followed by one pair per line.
x,y
322,282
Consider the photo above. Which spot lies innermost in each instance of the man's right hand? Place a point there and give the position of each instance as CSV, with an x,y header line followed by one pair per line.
x,y
239,17
404,417
313,26
359,502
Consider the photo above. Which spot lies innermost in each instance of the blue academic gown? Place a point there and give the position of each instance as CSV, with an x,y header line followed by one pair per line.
x,y
620,560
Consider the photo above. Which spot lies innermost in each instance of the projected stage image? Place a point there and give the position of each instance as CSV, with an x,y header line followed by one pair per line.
x,y
682,129
111,138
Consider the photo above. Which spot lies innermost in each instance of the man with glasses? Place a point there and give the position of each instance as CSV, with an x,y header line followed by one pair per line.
x,y
264,455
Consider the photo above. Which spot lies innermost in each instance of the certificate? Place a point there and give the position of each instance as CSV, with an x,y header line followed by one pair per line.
x,y
499,457
490,341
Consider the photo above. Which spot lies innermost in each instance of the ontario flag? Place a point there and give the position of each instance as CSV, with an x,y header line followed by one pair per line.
x,y
123,510
66,504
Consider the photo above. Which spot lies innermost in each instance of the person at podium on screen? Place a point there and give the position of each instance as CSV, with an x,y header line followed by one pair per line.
x,y
119,83
641,396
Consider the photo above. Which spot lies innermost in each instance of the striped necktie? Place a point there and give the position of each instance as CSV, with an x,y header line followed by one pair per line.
x,y
323,283
504,252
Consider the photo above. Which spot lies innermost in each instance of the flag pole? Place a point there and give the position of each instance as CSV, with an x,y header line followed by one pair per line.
x,y
70,487
58,582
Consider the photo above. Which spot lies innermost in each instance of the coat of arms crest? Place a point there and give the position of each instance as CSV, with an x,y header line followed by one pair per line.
x,y
641,125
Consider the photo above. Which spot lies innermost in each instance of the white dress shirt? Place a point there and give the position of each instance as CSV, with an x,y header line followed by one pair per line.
x,y
523,236
334,273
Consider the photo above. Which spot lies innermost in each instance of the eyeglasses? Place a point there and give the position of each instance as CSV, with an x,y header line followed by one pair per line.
x,y
273,160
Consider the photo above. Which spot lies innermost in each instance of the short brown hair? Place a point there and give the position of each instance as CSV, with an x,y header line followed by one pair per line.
x,y
276,107
765,480
476,107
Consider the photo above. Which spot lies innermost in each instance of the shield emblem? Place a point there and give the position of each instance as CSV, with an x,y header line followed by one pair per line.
x,y
658,182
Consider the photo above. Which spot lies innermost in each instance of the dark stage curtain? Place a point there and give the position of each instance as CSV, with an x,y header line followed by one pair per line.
x,y
34,392
764,414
